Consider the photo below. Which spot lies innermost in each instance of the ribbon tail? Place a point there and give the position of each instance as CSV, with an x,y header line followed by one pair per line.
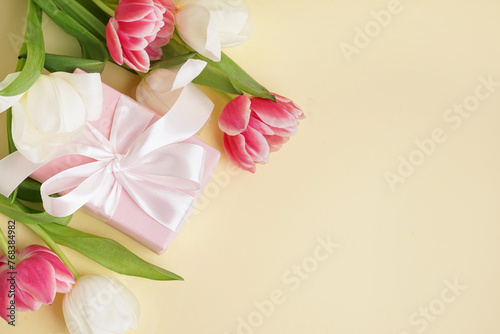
x,y
14,169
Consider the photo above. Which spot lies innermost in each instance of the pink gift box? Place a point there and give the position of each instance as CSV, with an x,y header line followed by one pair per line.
x,y
129,217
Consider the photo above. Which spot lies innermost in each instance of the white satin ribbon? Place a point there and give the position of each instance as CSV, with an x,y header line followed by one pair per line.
x,y
151,165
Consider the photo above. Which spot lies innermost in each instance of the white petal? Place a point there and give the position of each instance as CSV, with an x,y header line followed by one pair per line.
x,y
197,28
8,101
229,40
54,106
160,89
89,87
99,304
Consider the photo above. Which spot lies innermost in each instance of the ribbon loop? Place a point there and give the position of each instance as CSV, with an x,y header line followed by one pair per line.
x,y
151,164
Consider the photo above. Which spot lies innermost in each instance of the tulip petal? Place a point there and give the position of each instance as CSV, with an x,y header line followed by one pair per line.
x,y
133,11
155,91
160,89
260,126
137,60
25,302
256,146
133,43
113,41
234,146
33,144
139,28
154,53
35,276
275,142
64,277
89,88
166,32
54,106
272,113
169,5
290,106
197,28
235,115
234,26
99,304
288,131
4,292
8,101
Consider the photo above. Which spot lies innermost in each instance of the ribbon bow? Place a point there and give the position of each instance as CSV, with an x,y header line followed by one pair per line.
x,y
150,163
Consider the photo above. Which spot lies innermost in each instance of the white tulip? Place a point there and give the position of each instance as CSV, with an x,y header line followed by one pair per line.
x,y
160,89
208,25
52,111
100,305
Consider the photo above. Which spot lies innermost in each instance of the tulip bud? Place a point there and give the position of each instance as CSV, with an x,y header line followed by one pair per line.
x,y
36,278
255,127
100,304
52,111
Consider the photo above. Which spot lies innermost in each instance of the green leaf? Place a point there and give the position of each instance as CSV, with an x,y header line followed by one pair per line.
x,y
54,63
83,17
95,10
91,46
177,52
213,78
108,253
29,190
239,77
18,211
34,46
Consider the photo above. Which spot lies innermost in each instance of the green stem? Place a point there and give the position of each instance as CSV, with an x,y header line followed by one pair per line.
x,y
3,242
52,245
105,8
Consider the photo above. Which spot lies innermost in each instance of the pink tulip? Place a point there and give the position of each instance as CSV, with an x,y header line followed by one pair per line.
x,y
39,274
254,127
138,31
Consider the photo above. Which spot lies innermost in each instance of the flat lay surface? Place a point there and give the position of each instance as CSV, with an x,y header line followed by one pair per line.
x,y
379,216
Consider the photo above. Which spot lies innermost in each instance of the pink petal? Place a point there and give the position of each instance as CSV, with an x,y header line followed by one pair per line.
x,y
64,276
137,60
256,146
32,250
113,42
4,293
36,277
129,12
234,146
260,126
142,28
235,116
166,32
154,53
272,113
290,106
25,302
288,131
168,4
275,142
132,43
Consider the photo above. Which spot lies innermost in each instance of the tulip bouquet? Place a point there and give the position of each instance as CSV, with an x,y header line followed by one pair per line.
x,y
53,103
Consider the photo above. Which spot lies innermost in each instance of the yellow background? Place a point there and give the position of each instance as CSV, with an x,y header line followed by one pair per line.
x,y
398,251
